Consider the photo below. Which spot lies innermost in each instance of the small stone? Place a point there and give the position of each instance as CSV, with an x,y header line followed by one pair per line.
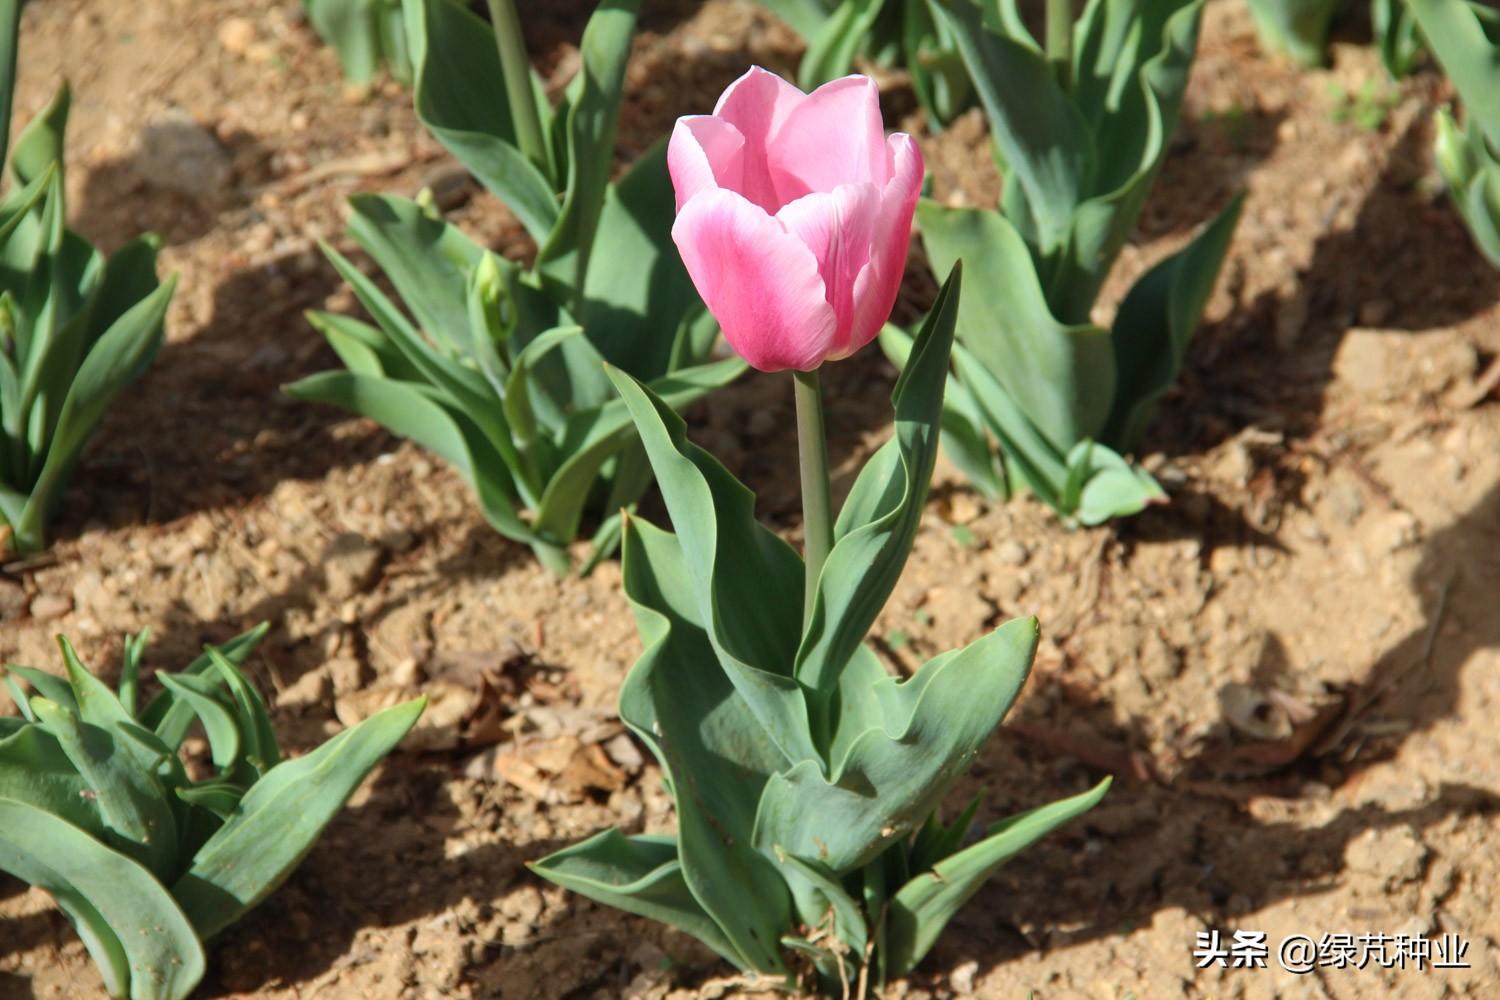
x,y
236,34
176,153
1012,553
351,565
961,979
622,750
309,689
1235,465
46,607
346,673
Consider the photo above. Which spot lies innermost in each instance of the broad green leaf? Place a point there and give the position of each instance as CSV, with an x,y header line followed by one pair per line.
x,y
830,51
1061,376
639,875
747,579
637,287
1041,134
407,411
922,908
825,904
965,439
594,437
115,359
251,715
49,686
709,742
40,144
362,348
1117,489
935,841
34,769
1133,119
517,398
1027,453
10,36
1155,322
458,90
218,721
365,34
170,718
875,528
593,112
1465,38
426,260
1396,36
1297,29
129,276
133,806
890,777
804,16
280,818
139,938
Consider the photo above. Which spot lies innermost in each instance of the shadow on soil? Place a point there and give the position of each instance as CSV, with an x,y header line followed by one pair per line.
x,y
1406,263
207,426
1194,844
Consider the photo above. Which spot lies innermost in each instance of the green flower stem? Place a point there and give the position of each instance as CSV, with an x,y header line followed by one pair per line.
x,y
817,499
515,66
1060,40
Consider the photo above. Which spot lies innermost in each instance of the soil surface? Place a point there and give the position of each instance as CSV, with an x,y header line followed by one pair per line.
x,y
1293,669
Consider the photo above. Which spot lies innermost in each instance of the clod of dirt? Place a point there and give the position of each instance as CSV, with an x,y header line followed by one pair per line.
x,y
12,599
176,153
1395,854
237,34
351,565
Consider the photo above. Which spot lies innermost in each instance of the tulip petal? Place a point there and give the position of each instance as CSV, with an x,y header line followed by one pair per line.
x,y
834,136
760,281
839,228
757,104
879,281
705,152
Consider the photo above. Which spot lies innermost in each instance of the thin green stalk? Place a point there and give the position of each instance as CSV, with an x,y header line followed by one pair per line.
x,y
515,65
10,30
1060,40
817,497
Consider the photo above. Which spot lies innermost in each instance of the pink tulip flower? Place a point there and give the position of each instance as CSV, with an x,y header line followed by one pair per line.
x,y
793,216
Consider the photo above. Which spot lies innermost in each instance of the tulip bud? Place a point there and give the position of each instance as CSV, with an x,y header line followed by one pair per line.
x,y
793,216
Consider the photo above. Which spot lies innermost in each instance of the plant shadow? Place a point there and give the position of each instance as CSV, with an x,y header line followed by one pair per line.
x,y
1192,841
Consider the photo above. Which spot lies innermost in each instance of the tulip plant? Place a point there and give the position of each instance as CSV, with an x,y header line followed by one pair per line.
x,y
366,34
97,807
891,32
807,779
74,329
1297,29
1465,39
499,369
1080,129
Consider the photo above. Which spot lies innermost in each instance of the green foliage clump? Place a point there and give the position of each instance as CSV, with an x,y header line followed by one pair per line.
x,y
499,368
75,329
1041,396
98,809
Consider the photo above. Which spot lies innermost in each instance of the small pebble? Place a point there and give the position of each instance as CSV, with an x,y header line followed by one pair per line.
x,y
46,607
